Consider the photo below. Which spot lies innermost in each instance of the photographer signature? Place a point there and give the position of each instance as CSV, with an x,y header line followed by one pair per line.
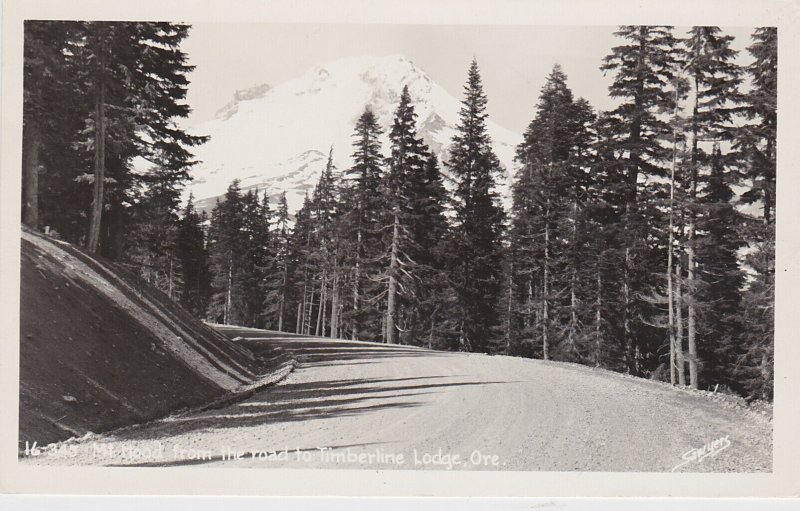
x,y
698,454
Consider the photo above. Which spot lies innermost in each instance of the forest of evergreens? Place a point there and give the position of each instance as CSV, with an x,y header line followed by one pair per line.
x,y
640,239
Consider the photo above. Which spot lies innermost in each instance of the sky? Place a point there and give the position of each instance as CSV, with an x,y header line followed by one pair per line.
x,y
514,60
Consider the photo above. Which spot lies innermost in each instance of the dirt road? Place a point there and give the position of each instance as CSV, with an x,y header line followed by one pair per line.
x,y
372,406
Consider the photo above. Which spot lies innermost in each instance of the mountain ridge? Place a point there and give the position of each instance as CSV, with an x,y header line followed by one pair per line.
x,y
277,138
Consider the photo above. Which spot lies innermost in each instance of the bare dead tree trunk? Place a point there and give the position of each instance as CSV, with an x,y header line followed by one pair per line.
x,y
93,239
690,253
310,313
357,282
671,311
391,308
335,303
545,289
679,359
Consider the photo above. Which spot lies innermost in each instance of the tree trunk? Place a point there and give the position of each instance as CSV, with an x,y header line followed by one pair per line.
x,y
301,309
679,361
310,311
30,173
545,298
335,304
433,326
93,239
357,283
509,309
321,310
228,298
671,313
169,293
598,321
692,319
282,303
391,309
573,302
690,252
626,320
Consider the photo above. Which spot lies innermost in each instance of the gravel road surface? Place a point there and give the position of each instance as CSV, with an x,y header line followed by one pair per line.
x,y
371,406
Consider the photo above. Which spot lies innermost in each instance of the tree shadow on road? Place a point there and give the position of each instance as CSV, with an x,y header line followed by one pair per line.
x,y
295,402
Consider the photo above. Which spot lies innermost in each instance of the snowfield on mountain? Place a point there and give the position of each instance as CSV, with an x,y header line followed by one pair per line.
x,y
278,138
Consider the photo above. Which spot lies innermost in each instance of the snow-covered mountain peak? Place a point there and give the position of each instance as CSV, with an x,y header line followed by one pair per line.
x,y
278,138
254,92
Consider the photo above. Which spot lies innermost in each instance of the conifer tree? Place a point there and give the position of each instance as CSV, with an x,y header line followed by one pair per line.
x,y
362,219
114,91
550,195
193,258
713,79
278,284
479,219
757,143
226,249
428,228
404,189
257,257
300,255
644,67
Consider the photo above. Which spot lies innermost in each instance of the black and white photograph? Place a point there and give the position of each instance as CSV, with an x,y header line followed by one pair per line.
x,y
397,247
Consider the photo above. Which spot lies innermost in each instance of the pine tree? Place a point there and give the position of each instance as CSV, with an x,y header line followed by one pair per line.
x,y
257,257
114,91
405,191
714,79
429,230
151,243
193,257
362,219
757,140
278,284
644,69
325,255
479,219
226,249
550,195
757,143
300,256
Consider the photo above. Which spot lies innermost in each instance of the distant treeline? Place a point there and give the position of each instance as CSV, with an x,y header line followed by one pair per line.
x,y
625,247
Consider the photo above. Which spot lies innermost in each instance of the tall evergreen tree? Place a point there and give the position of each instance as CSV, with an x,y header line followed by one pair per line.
x,y
429,317
117,90
714,79
758,144
257,256
278,284
404,189
193,256
226,249
363,218
479,219
644,68
548,236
